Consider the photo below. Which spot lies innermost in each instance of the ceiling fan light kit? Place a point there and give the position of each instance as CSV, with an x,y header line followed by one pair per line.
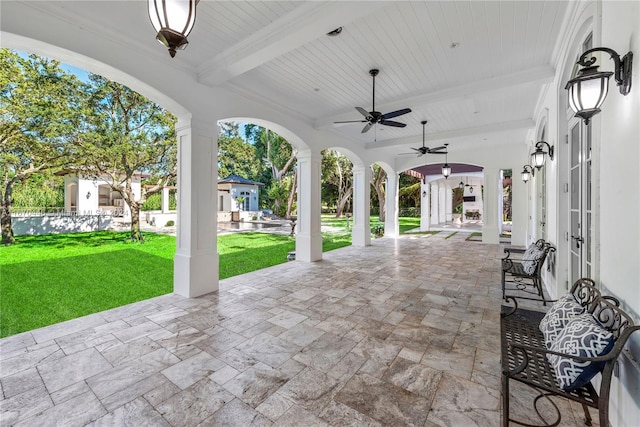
x,y
375,117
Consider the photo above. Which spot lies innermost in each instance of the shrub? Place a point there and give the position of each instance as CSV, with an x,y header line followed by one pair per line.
x,y
170,223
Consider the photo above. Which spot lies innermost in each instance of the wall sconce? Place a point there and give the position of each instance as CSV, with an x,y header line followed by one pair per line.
x,y
173,20
539,156
88,194
527,173
588,90
424,193
446,169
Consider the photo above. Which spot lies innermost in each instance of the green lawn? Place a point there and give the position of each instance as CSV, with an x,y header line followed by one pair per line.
x,y
53,278
406,223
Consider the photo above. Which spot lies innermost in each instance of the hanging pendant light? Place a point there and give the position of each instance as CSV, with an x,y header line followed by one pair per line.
x,y
446,169
173,20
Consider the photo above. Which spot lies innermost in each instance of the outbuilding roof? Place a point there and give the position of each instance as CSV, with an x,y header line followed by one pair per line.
x,y
236,179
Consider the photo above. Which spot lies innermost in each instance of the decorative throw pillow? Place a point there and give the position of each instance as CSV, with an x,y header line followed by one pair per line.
x,y
531,258
581,337
560,313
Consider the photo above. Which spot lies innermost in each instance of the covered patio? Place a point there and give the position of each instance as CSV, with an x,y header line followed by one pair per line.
x,y
403,332
392,331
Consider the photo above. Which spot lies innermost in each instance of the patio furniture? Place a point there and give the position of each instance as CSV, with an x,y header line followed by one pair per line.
x,y
547,351
522,268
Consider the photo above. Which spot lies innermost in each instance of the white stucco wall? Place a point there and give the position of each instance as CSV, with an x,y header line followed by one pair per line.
x,y
616,177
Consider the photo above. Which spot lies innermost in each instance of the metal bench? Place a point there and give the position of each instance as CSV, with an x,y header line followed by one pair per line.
x,y
524,353
514,273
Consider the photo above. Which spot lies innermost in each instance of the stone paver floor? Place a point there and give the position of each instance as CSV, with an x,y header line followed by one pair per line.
x,y
404,332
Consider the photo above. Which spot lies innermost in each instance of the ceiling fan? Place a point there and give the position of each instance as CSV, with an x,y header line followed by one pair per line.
x,y
426,150
373,117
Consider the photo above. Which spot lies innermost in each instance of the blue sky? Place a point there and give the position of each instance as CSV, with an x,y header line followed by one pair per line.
x,y
83,75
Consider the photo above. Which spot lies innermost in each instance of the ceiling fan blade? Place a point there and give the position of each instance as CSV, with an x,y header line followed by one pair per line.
x,y
406,154
367,127
363,112
352,121
442,147
436,152
392,123
396,113
415,149
421,154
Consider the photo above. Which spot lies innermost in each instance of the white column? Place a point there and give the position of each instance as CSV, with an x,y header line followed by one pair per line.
x,y
308,236
448,202
435,202
165,200
391,227
490,233
425,214
361,232
196,260
442,202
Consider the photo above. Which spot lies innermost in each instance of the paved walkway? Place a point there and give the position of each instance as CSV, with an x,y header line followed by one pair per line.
x,y
404,332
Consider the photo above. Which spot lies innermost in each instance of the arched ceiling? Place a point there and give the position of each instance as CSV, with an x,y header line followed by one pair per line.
x,y
475,70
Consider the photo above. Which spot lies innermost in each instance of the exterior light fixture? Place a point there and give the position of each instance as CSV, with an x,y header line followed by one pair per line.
x,y
446,169
424,193
88,194
173,20
539,156
527,173
588,90
461,185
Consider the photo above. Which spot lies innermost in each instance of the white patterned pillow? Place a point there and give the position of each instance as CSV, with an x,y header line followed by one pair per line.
x,y
581,337
531,258
560,313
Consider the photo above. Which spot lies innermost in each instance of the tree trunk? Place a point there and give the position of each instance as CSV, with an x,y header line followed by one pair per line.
x,y
294,188
377,181
5,216
343,202
136,236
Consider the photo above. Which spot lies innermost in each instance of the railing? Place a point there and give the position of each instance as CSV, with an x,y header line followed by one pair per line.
x,y
29,212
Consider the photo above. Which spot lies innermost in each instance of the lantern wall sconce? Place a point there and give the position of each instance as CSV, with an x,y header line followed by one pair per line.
x,y
173,20
446,169
588,90
539,156
88,194
424,193
527,173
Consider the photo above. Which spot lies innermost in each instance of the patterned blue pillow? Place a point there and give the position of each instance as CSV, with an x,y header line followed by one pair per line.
x,y
581,337
560,313
531,258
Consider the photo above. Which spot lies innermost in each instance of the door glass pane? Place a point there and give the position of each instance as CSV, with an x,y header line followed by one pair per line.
x,y
575,188
588,195
575,267
587,238
575,145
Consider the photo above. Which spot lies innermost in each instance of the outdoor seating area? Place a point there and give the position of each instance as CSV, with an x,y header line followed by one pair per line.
x,y
367,336
522,268
558,353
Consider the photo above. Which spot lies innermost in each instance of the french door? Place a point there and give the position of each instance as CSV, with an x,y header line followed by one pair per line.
x,y
580,203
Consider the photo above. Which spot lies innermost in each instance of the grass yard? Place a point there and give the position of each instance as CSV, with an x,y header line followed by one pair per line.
x,y
406,223
53,278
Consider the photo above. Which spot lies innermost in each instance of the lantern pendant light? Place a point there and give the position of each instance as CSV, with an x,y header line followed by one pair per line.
x,y
173,20
446,169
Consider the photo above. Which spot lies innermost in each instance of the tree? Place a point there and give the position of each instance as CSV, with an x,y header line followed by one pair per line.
x,y
40,119
236,156
337,174
378,177
128,134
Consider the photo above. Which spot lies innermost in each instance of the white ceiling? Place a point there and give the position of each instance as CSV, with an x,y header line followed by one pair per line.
x,y
485,87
